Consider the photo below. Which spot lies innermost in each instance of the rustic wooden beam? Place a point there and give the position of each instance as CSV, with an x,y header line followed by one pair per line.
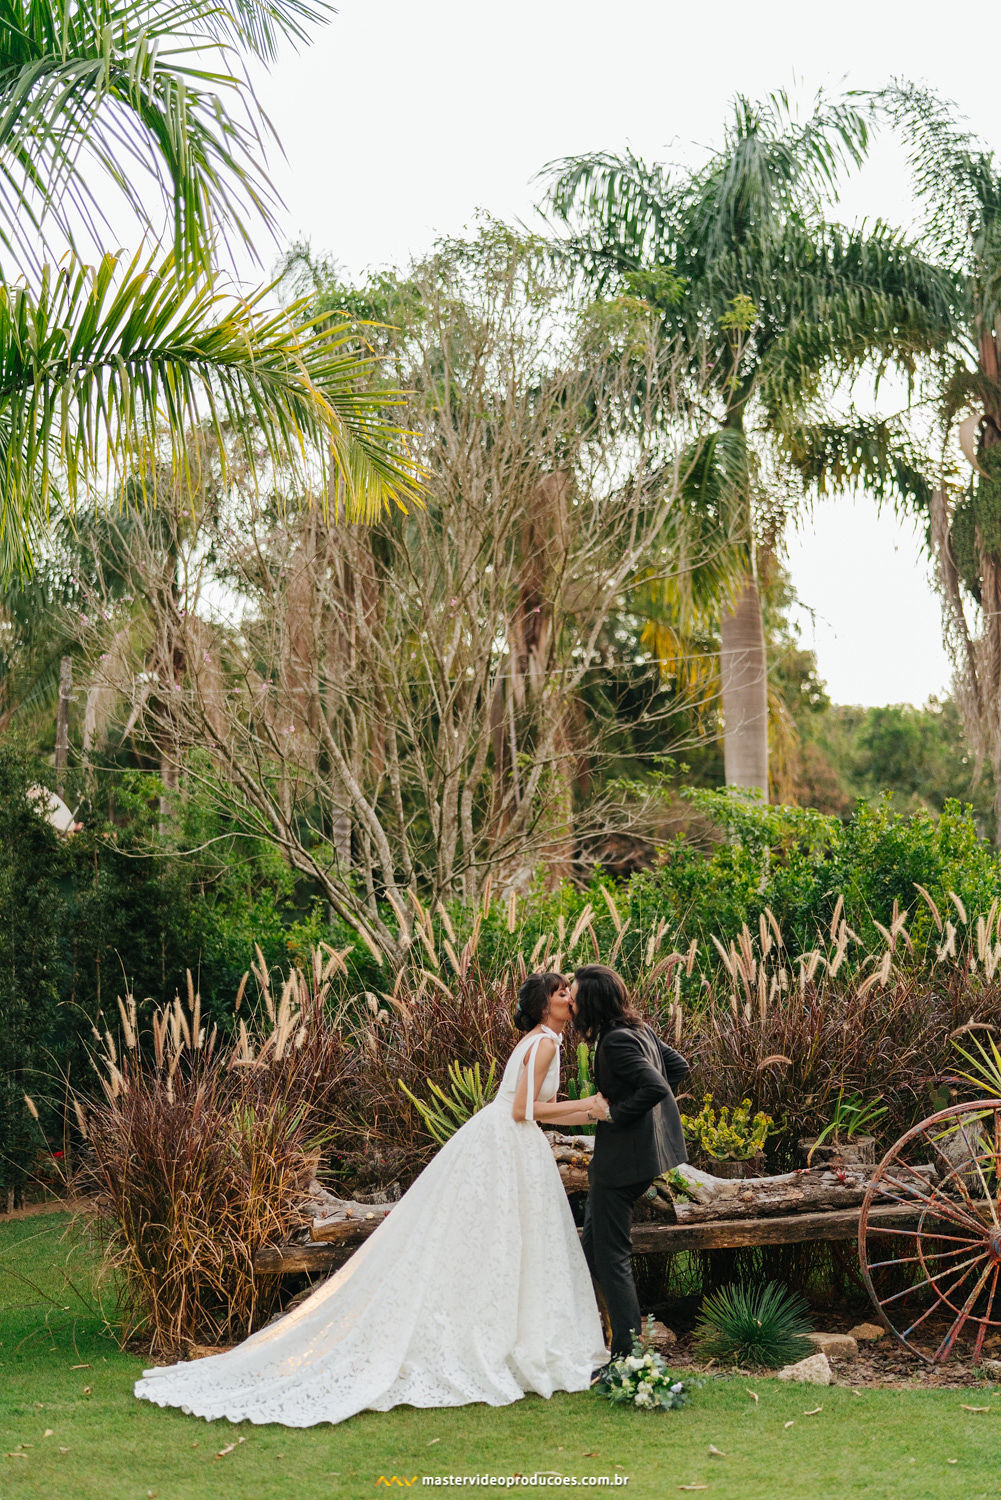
x,y
287,1260
787,1229
648,1239
344,1231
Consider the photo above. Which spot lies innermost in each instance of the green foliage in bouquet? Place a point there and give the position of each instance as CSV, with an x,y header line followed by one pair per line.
x,y
764,1327
643,1379
445,1112
727,1136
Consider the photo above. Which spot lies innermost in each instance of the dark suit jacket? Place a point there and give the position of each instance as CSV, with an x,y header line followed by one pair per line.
x,y
643,1136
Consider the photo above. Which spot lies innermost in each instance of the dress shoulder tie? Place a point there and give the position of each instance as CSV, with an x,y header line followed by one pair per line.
x,y
530,1056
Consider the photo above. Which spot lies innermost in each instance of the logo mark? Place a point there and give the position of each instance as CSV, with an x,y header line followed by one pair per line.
x,y
395,1480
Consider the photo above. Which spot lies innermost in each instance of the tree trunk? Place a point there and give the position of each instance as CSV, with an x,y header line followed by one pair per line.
x,y
170,778
63,721
744,674
698,1196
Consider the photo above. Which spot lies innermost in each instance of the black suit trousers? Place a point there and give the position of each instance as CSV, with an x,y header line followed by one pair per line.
x,y
607,1245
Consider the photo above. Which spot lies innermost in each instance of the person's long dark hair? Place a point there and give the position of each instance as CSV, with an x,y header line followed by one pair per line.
x,y
602,1002
533,999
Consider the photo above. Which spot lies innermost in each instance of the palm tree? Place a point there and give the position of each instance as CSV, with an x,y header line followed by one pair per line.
x,y
98,363
737,257
959,180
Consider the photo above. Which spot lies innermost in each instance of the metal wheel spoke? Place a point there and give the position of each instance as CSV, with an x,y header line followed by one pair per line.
x,y
978,1342
987,1195
952,1165
929,1310
916,1286
944,1348
905,1260
928,1234
942,1208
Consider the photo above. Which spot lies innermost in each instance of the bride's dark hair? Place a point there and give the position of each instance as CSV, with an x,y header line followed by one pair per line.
x,y
533,999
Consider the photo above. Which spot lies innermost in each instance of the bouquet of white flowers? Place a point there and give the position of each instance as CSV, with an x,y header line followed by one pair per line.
x,y
643,1379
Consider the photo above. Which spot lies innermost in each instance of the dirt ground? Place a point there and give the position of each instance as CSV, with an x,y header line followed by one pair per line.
x,y
884,1363
49,1206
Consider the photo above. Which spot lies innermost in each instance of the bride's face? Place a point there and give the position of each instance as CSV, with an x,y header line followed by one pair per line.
x,y
560,1006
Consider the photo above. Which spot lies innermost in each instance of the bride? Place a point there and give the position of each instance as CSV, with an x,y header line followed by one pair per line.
x,y
474,1287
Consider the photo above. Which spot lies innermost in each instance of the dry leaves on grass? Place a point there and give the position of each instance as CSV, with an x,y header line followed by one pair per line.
x,y
229,1447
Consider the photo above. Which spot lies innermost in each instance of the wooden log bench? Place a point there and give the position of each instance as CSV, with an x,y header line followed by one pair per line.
x,y
320,1257
699,1211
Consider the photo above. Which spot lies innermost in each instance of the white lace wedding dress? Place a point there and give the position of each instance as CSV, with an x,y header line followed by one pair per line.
x,y
473,1288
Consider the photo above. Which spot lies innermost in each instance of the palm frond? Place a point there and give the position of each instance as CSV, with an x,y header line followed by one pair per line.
x,y
99,91
871,453
771,165
102,369
953,172
623,213
859,297
706,536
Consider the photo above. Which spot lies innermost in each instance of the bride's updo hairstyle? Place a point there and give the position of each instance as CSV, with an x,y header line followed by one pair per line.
x,y
533,999
601,1002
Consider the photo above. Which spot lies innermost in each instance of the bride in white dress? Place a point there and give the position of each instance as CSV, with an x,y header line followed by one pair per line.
x,y
473,1288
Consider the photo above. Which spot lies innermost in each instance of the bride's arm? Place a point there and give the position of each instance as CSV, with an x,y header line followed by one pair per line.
x,y
568,1112
562,1112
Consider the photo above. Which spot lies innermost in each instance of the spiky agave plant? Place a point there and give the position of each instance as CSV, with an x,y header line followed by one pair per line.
x,y
469,1091
764,1326
985,1074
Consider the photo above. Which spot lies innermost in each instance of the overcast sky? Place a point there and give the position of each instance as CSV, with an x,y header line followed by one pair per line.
x,y
403,119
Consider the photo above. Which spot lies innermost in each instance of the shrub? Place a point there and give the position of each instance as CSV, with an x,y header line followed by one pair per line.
x,y
29,969
798,1050
200,1155
726,1138
762,1327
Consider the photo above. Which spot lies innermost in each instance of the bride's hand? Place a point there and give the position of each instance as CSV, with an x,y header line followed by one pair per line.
x,y
600,1106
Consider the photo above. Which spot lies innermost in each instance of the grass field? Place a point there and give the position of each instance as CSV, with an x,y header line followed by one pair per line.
x,y
71,1429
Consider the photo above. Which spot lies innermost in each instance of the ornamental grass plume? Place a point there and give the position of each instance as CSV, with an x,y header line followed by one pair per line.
x,y
762,1327
199,1154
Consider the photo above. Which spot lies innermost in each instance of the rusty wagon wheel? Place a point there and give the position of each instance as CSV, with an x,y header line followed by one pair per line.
x,y
929,1234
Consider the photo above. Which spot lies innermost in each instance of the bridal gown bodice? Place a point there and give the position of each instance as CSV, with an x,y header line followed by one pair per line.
x,y
473,1288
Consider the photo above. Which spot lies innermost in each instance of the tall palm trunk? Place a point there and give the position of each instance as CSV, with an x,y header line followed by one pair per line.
x,y
744,676
743,663
990,561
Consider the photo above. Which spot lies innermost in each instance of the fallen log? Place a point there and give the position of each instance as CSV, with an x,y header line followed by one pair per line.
x,y
685,1195
698,1197
341,1219
648,1239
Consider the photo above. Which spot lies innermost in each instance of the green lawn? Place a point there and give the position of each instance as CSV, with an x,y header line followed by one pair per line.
x,y
59,1374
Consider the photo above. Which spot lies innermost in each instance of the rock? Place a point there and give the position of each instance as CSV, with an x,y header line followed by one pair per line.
x,y
867,1333
834,1345
814,1370
658,1336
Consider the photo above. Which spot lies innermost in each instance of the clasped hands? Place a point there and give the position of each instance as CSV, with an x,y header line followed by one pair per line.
x,y
598,1107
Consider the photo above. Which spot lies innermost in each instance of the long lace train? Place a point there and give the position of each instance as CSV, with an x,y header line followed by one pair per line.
x,y
474,1288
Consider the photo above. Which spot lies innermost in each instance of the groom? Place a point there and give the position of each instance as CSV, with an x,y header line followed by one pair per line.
x,y
639,1135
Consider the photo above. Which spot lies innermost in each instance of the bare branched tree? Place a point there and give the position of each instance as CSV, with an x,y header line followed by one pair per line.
x,y
404,709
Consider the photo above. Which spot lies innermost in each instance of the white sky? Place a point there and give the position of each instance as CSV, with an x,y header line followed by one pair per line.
x,y
403,119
